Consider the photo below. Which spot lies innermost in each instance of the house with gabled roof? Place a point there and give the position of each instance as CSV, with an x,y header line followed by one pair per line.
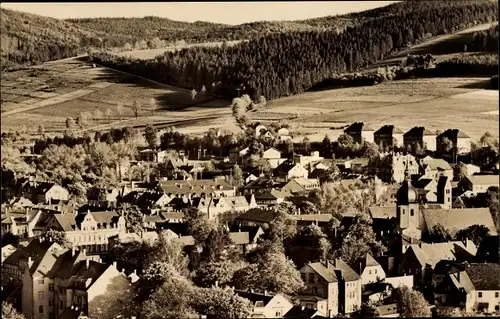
x,y
301,186
46,193
388,136
419,260
360,132
461,141
421,136
289,170
90,230
479,183
475,287
68,278
196,188
266,305
370,270
435,167
101,197
322,288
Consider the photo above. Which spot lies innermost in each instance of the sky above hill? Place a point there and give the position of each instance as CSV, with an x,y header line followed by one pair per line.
x,y
219,12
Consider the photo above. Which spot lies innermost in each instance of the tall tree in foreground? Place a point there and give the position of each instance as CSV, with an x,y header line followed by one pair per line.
x,y
411,303
9,312
222,303
476,233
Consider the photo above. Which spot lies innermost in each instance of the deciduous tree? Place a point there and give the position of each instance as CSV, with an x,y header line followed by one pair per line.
x,y
411,303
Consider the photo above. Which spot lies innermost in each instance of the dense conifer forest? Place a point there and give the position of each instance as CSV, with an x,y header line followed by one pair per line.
x,y
288,63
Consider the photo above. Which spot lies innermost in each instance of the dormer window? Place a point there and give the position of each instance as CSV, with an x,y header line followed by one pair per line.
x,y
412,212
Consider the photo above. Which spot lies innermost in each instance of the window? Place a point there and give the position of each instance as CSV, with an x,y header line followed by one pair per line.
x,y
497,307
278,313
369,272
311,278
447,191
40,281
496,294
40,309
315,291
480,295
41,295
375,271
51,287
412,212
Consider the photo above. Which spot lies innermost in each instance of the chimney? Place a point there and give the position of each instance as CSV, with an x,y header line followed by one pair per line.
x,y
73,251
135,271
114,264
72,307
265,292
87,263
30,262
84,251
303,308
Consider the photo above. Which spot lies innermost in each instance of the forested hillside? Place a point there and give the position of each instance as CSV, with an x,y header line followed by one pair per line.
x,y
32,39
289,63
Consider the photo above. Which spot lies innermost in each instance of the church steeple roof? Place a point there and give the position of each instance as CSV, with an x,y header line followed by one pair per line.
x,y
407,193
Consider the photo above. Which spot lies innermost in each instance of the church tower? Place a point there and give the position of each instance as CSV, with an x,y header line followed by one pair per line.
x,y
408,211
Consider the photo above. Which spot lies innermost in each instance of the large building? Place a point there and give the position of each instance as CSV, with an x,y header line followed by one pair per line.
x,y
61,280
424,138
89,230
461,142
360,132
388,136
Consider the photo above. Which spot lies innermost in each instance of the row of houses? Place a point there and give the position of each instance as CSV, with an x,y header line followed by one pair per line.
x,y
391,136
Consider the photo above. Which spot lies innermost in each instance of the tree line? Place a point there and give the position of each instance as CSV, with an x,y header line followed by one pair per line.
x,y
289,63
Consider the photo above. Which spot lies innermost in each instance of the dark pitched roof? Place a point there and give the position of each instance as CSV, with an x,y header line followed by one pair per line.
x,y
388,130
348,274
254,297
382,212
300,312
43,188
453,134
328,274
484,276
67,221
80,273
418,131
257,215
357,127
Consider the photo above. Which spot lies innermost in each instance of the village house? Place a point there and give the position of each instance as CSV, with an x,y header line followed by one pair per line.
x,y
419,260
90,230
263,184
65,278
305,160
152,200
388,136
336,284
236,155
370,270
106,198
47,193
256,217
273,156
479,183
436,191
149,155
270,198
461,141
418,135
266,305
475,287
393,167
322,288
284,134
470,169
289,170
360,132
433,168
20,222
388,311
301,186
196,188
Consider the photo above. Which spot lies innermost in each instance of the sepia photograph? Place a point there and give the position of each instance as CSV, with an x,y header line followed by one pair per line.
x,y
273,159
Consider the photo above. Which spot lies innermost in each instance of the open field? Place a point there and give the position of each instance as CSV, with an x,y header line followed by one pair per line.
x,y
48,94
152,53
